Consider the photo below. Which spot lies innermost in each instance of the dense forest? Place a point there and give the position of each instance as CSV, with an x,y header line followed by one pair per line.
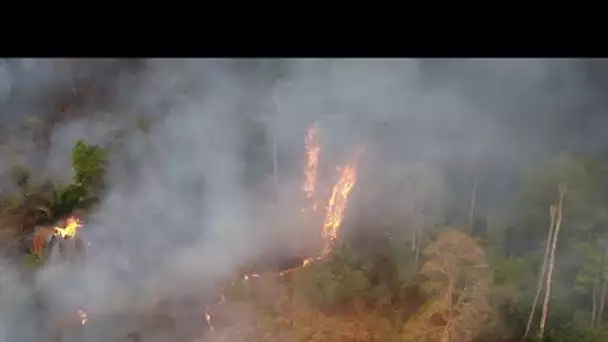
x,y
452,249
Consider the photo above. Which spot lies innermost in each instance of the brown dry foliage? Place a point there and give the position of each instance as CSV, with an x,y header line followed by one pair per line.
x,y
457,278
270,312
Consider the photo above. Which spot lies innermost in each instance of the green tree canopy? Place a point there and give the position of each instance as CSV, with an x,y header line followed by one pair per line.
x,y
89,163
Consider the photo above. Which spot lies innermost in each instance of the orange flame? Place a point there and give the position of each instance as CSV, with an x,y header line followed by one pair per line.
x,y
313,148
70,229
336,206
40,237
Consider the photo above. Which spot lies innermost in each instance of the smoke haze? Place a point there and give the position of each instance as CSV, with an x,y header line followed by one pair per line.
x,y
183,209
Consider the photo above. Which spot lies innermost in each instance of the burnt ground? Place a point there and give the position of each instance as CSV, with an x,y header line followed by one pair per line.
x,y
175,319
179,320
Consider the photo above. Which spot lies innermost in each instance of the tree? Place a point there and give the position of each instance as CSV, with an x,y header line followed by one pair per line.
x,y
592,277
557,215
21,177
336,281
539,190
414,196
511,280
45,203
457,278
584,219
62,202
89,164
543,271
144,123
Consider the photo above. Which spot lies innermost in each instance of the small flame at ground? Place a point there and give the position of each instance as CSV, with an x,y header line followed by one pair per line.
x,y
208,319
82,315
252,275
307,262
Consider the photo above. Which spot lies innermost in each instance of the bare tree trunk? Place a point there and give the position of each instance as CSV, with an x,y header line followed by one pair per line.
x,y
558,223
414,244
2,323
417,250
275,166
543,271
600,314
472,206
594,310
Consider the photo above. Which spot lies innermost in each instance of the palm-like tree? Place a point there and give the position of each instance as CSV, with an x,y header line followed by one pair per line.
x,y
42,206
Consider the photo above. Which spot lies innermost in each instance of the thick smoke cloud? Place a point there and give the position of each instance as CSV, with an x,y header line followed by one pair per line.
x,y
181,213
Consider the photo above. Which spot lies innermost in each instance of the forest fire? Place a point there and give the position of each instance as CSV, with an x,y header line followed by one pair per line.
x,y
70,229
208,319
45,239
336,205
253,275
41,237
82,315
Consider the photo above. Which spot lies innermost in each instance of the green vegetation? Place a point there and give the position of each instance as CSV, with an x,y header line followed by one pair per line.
x,y
41,202
456,287
89,164
418,274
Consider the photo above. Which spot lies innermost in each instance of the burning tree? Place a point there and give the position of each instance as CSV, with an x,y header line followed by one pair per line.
x,y
88,163
335,210
71,247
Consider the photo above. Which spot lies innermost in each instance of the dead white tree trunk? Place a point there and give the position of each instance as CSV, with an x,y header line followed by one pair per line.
x,y
594,306
417,226
558,223
472,205
414,235
417,250
275,163
543,272
600,314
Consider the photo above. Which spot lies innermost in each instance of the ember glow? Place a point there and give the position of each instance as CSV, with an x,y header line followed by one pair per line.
x,y
252,275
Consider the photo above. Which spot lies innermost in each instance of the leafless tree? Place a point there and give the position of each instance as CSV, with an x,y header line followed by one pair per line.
x,y
558,223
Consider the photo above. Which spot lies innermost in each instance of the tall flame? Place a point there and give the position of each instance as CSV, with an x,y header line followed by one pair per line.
x,y
313,148
336,205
